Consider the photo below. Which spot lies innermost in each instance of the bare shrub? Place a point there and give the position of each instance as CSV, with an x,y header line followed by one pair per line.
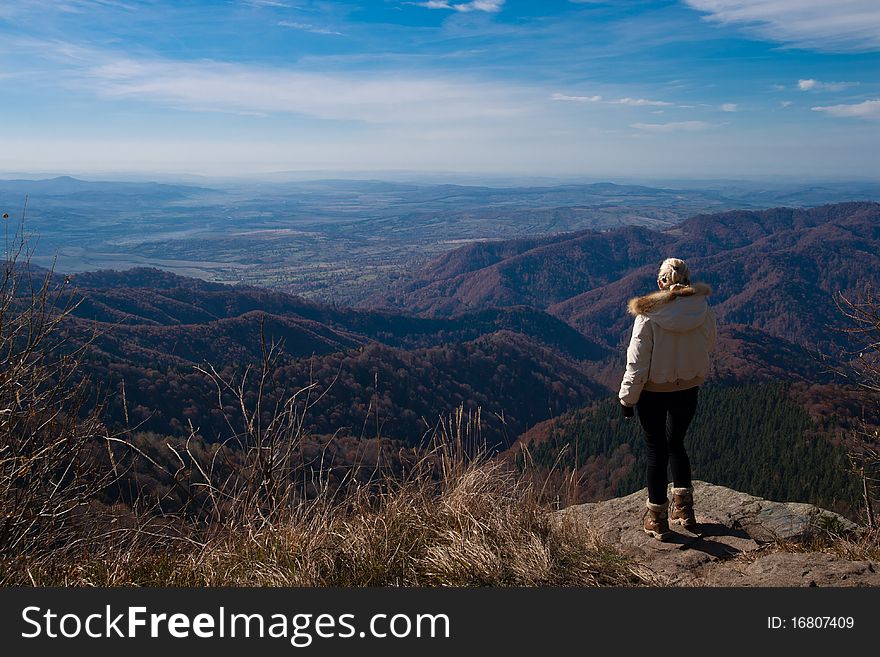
x,y
862,368
49,442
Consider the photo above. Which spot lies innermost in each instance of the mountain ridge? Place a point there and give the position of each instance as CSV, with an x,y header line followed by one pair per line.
x,y
773,270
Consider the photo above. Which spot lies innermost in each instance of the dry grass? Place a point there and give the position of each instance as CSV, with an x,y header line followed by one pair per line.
x,y
478,526
862,544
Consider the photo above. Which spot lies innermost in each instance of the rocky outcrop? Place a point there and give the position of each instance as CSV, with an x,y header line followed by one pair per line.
x,y
735,544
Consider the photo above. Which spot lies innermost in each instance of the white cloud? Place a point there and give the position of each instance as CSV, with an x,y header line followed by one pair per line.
x,y
576,99
675,126
391,98
490,6
306,27
641,102
838,26
810,84
786,103
632,102
728,107
869,109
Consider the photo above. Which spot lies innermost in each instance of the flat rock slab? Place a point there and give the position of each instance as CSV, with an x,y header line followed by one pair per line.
x,y
796,569
724,550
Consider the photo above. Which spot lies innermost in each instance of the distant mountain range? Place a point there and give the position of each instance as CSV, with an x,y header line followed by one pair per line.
x,y
513,193
74,188
349,240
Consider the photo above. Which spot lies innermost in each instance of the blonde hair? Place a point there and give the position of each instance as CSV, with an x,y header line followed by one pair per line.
x,y
673,274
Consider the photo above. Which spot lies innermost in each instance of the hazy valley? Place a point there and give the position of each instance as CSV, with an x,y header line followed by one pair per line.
x,y
344,240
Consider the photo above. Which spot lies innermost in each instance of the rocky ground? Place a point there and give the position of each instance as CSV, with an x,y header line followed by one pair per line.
x,y
737,541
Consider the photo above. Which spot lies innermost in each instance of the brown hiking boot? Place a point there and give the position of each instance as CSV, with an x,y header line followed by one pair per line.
x,y
656,522
683,507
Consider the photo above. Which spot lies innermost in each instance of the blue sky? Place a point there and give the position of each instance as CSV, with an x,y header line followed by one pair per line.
x,y
699,88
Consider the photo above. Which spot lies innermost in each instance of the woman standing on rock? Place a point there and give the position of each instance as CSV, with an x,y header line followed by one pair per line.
x,y
667,360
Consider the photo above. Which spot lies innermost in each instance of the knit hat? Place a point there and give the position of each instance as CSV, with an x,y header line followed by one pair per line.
x,y
673,273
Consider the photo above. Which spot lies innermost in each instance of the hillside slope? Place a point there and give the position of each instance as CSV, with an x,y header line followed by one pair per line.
x,y
175,318
756,438
374,373
773,271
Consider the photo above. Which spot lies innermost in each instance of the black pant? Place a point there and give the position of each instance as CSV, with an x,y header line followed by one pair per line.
x,y
665,417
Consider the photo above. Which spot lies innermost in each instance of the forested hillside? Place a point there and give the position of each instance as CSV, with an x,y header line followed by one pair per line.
x,y
374,390
538,272
372,373
753,438
774,271
146,315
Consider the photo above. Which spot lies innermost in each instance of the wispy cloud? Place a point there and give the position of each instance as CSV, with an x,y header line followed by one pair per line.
x,y
306,27
869,109
490,6
840,26
576,99
632,102
729,107
641,102
809,84
266,3
675,126
390,98
786,103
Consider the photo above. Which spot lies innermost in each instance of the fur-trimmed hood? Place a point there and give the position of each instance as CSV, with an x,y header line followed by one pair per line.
x,y
688,311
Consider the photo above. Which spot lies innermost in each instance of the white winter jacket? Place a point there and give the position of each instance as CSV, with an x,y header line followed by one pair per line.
x,y
674,332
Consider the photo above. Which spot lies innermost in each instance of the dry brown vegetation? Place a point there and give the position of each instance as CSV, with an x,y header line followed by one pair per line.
x,y
860,545
477,527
